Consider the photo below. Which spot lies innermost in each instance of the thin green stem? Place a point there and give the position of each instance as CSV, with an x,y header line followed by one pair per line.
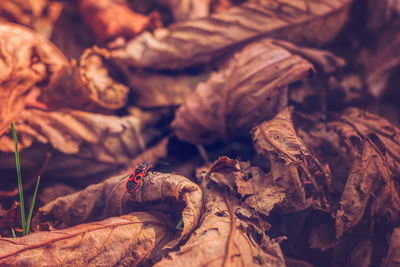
x,y
13,233
21,193
32,205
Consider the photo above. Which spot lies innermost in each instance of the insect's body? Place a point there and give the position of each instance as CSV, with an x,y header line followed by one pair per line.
x,y
136,176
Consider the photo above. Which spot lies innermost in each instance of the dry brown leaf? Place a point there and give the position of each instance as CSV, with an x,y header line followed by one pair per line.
x,y
380,12
393,257
84,146
297,263
188,9
91,85
200,41
154,89
261,193
251,183
27,61
124,240
305,179
71,34
226,238
361,255
39,15
250,88
218,6
321,59
373,144
9,218
109,19
382,59
110,198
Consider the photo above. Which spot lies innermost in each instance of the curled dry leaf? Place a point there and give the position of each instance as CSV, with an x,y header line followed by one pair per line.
x,y
226,238
251,87
305,179
393,257
27,61
373,144
124,240
84,145
110,198
200,41
94,84
109,19
188,9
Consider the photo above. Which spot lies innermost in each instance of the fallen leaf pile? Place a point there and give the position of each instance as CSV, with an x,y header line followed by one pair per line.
x,y
270,129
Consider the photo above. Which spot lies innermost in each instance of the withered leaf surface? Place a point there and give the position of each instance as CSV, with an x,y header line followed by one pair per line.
x,y
226,238
200,41
93,84
261,193
305,179
27,60
124,240
155,89
380,12
250,88
39,15
83,144
110,198
188,9
374,146
110,18
380,60
393,257
257,188
9,218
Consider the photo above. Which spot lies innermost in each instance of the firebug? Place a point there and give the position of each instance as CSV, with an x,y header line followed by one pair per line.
x,y
136,176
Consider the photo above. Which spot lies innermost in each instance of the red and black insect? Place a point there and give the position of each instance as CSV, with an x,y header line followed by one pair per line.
x,y
136,176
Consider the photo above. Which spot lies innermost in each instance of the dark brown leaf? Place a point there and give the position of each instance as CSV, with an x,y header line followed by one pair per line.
x,y
27,61
199,41
305,179
188,9
256,188
226,238
373,144
84,146
91,85
393,257
250,88
124,240
38,15
382,59
155,89
380,12
110,18
9,218
110,198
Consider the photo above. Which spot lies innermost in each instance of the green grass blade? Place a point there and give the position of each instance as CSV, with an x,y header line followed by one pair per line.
x,y
179,225
32,205
21,193
13,233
